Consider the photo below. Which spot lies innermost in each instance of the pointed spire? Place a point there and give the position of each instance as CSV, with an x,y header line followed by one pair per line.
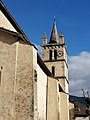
x,y
61,38
54,34
44,39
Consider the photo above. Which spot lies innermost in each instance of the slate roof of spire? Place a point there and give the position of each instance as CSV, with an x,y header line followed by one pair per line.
x,y
54,34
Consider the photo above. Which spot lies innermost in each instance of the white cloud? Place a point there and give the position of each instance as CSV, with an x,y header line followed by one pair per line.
x,y
79,73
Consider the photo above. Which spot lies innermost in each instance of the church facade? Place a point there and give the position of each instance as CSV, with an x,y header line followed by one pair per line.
x,y
31,87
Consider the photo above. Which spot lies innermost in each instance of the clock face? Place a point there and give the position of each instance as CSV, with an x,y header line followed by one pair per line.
x,y
60,53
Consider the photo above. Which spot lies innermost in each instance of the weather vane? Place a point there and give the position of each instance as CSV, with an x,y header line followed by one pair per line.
x,y
54,19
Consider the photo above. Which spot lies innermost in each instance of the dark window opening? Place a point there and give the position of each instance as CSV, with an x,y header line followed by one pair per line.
x,y
50,55
60,89
35,75
55,54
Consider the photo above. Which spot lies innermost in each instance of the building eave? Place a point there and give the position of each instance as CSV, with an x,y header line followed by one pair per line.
x,y
16,35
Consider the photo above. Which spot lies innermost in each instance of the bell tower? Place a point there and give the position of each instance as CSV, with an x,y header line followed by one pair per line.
x,y
54,55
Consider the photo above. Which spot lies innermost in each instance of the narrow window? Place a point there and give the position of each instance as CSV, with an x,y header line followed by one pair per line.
x,y
55,54
35,75
60,89
50,55
53,70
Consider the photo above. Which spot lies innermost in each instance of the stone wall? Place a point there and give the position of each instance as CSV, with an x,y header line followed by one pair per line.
x,y
17,64
52,101
7,68
24,87
64,106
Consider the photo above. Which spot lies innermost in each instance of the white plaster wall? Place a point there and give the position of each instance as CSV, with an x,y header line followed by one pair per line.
x,y
4,23
34,53
41,83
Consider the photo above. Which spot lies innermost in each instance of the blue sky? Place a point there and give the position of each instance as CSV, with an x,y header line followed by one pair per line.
x,y
72,18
